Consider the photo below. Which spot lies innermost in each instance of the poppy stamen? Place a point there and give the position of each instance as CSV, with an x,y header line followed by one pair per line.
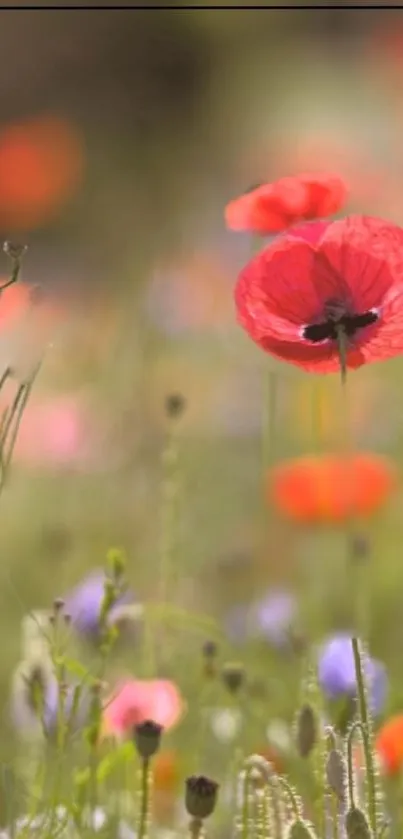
x,y
329,329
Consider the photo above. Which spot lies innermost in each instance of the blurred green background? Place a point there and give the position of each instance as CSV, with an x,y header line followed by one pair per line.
x,y
153,121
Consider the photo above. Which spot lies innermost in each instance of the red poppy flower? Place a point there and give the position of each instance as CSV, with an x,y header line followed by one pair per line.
x,y
389,744
329,489
297,293
272,208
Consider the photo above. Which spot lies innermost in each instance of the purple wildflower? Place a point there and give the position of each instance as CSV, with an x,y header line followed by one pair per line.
x,y
25,714
84,603
274,616
270,618
336,672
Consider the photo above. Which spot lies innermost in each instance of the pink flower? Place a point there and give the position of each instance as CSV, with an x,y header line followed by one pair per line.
x,y
135,701
52,432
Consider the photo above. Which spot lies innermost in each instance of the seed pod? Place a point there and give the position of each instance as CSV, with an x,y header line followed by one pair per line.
x,y
357,826
201,796
306,730
233,676
175,405
209,652
360,547
300,829
336,773
210,649
147,738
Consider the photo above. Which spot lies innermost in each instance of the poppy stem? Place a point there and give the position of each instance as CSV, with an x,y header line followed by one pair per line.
x,y
367,737
342,348
269,416
366,726
15,252
144,799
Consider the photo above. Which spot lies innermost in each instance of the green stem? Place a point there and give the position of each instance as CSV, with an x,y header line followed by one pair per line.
x,y
366,736
196,828
144,799
268,416
350,766
335,816
366,727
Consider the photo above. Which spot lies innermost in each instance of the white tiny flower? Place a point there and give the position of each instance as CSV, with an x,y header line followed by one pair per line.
x,y
97,819
125,831
226,723
279,735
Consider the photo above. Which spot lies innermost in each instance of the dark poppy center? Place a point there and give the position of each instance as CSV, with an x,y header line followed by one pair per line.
x,y
336,317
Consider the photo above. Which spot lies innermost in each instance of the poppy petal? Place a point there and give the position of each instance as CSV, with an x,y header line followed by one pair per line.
x,y
313,358
283,288
366,254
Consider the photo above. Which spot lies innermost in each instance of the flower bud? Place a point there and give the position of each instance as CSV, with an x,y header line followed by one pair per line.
x,y
14,251
336,773
360,547
233,676
306,730
58,605
147,738
174,405
300,829
200,797
116,561
357,826
210,649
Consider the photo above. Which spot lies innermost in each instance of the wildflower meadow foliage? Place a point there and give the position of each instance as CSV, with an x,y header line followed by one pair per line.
x,y
137,717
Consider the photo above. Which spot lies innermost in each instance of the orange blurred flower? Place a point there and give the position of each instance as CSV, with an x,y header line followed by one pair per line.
x,y
328,489
166,779
273,756
389,744
41,163
165,772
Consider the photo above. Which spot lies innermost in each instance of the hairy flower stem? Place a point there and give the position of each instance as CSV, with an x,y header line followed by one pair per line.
x,y
362,702
196,828
144,799
366,736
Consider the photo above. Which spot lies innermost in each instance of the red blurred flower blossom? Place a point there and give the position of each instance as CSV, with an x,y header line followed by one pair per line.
x,y
274,207
41,166
296,295
328,489
389,744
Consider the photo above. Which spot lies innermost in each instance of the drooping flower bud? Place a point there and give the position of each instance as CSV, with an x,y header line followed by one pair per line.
x,y
201,796
306,730
336,773
300,829
357,826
